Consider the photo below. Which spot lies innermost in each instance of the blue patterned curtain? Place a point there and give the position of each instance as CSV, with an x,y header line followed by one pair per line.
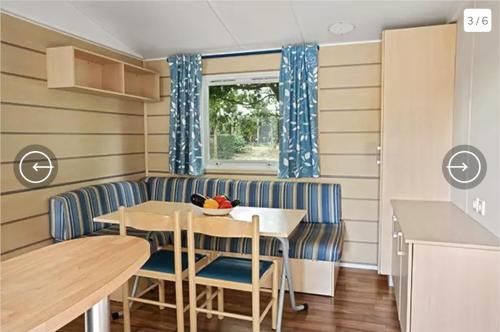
x,y
299,112
185,130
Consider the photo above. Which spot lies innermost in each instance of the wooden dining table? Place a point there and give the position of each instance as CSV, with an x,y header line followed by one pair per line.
x,y
278,223
45,289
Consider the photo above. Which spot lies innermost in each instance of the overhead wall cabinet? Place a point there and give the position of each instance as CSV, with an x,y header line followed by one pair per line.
x,y
72,68
418,66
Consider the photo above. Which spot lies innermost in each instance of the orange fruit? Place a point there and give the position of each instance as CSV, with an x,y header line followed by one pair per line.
x,y
211,204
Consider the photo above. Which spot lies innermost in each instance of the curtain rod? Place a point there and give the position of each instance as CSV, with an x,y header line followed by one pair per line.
x,y
243,53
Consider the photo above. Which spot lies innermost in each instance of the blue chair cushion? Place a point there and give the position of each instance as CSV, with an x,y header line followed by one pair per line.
x,y
163,261
232,269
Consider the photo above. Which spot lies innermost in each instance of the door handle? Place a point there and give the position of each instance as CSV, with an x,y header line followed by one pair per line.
x,y
400,244
394,221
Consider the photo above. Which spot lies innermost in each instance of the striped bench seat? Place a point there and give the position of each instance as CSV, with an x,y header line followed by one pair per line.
x,y
72,213
318,237
312,241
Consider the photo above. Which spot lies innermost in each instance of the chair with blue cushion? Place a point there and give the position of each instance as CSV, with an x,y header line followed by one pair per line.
x,y
230,272
163,265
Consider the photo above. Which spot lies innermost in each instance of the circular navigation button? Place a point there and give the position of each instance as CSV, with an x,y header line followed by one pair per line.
x,y
464,166
35,166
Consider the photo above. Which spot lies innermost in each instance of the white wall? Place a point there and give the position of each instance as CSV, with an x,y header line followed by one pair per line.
x,y
477,111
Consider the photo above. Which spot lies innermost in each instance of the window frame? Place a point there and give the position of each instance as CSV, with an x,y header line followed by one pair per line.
x,y
256,166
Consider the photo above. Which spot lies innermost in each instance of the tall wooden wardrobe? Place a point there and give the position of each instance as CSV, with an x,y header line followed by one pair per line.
x,y
418,66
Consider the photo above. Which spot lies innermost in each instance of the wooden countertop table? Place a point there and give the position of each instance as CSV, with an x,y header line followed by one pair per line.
x,y
273,222
45,289
278,223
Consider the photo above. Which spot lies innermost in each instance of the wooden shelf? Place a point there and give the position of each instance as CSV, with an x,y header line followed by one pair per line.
x,y
141,82
75,69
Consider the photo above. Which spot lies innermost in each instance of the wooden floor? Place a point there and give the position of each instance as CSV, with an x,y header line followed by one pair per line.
x,y
363,302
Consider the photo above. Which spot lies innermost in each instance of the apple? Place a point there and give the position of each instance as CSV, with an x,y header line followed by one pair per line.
x,y
220,198
226,204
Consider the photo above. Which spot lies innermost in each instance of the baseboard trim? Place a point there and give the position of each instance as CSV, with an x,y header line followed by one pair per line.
x,y
359,266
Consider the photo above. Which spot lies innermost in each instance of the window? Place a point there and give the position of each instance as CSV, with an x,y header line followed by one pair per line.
x,y
241,121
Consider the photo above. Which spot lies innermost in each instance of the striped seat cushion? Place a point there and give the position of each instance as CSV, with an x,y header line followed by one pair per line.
x,y
268,246
180,189
156,239
318,237
314,241
321,242
71,213
321,200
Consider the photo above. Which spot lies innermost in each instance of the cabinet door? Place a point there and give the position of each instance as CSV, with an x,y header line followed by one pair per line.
x,y
405,254
395,266
417,113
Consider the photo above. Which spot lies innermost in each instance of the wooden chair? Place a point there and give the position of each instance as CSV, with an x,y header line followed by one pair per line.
x,y
230,272
163,265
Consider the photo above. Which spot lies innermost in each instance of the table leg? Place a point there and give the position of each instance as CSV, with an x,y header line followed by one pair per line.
x,y
286,275
97,318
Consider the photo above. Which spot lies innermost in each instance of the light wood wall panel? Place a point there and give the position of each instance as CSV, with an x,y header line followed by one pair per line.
x,y
24,62
349,121
350,54
360,209
80,169
248,63
73,146
25,249
160,108
349,125
360,252
20,90
32,119
24,232
96,139
349,143
347,165
349,76
361,231
158,161
158,143
158,124
349,99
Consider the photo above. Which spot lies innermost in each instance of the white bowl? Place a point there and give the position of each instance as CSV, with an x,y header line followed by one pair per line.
x,y
216,212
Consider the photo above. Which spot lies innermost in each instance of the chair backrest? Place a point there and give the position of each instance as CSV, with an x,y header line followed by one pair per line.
x,y
153,222
228,228
146,221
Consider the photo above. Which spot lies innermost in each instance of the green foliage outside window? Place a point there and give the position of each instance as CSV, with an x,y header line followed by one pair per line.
x,y
243,121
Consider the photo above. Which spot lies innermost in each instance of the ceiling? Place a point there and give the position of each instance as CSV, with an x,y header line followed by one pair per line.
x,y
154,29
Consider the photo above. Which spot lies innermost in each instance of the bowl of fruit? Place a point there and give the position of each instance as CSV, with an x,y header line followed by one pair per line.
x,y
219,205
